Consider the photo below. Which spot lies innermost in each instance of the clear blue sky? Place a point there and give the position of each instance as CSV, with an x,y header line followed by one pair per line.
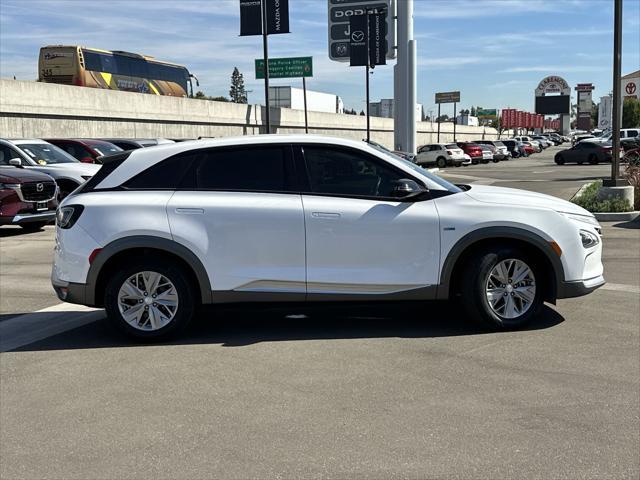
x,y
493,51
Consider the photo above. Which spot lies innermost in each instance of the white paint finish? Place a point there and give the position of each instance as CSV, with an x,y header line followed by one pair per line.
x,y
485,206
71,255
243,237
371,243
32,327
109,216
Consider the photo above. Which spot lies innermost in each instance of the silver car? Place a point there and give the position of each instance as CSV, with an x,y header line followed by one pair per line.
x,y
42,156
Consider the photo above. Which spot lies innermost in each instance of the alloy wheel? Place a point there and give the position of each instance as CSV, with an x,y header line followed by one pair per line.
x,y
510,288
148,301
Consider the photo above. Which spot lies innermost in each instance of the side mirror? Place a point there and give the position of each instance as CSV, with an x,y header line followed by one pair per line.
x,y
406,188
16,162
86,160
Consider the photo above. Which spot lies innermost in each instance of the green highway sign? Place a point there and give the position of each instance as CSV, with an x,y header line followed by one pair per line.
x,y
489,113
286,67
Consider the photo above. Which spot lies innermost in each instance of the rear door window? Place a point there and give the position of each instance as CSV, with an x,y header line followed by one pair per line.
x,y
254,169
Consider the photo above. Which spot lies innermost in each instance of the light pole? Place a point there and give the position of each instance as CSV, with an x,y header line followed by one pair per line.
x,y
615,179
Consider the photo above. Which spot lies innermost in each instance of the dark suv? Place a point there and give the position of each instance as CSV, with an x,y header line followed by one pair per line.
x,y
27,198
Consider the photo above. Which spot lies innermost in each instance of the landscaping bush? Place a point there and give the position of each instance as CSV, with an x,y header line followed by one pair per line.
x,y
589,200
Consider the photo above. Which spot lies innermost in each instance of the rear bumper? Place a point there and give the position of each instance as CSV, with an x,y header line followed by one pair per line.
x,y
72,292
580,287
23,218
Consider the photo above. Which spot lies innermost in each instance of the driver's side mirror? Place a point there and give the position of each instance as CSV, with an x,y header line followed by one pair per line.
x,y
406,188
16,162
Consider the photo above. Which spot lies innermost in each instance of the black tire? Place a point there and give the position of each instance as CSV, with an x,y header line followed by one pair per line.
x,y
559,159
474,283
593,160
186,291
33,226
441,162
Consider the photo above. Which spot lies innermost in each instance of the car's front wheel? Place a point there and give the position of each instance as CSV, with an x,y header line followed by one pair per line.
x,y
501,289
150,299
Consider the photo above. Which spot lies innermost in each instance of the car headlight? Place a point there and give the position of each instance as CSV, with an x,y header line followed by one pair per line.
x,y
588,239
590,219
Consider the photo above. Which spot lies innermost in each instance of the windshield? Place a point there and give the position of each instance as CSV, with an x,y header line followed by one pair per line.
x,y
422,172
106,149
46,154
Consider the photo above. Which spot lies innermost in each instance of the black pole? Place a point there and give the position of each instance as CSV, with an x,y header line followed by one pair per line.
x,y
438,141
265,46
455,121
367,81
368,120
617,104
304,89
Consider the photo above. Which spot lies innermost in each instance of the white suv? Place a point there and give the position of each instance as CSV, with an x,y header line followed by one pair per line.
x,y
158,232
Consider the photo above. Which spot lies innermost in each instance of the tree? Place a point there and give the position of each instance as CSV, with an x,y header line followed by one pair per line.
x,y
237,93
201,96
631,113
362,112
350,111
442,118
473,111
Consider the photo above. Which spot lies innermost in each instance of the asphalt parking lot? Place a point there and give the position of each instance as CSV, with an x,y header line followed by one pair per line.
x,y
383,391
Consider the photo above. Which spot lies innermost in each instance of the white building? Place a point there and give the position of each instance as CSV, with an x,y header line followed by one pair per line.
x,y
385,108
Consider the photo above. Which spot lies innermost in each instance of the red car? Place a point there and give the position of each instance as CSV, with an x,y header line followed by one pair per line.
x,y
27,198
529,149
86,150
473,150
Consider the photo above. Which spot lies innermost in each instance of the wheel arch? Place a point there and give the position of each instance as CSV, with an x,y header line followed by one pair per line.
x,y
133,248
484,238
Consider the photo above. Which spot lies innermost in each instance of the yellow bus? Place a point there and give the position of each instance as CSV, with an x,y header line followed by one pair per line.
x,y
91,67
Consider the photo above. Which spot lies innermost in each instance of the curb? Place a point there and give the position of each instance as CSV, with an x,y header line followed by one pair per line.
x,y
617,217
580,191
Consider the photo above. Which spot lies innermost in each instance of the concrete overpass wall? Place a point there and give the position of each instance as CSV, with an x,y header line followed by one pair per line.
x,y
40,110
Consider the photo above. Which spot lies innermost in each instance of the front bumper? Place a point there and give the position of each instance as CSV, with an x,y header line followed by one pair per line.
x,y
579,288
23,218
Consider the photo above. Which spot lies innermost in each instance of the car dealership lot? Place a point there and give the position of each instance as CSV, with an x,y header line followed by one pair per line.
x,y
411,390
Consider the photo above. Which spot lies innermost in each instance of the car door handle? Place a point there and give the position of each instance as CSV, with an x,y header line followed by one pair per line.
x,y
190,211
325,215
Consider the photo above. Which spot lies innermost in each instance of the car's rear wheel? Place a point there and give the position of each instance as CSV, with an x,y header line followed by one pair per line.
x,y
150,300
441,162
500,288
593,160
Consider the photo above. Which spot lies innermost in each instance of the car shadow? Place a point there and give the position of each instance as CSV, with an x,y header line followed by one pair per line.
x,y
633,224
6,231
243,326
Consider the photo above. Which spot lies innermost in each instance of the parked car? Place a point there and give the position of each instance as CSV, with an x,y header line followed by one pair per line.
x,y
221,221
583,152
34,154
134,144
440,155
405,155
577,138
27,198
607,137
516,149
544,141
488,153
529,149
537,146
501,151
554,137
474,151
87,150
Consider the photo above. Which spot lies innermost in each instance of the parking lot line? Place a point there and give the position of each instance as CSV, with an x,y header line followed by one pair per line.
x,y
620,287
32,327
